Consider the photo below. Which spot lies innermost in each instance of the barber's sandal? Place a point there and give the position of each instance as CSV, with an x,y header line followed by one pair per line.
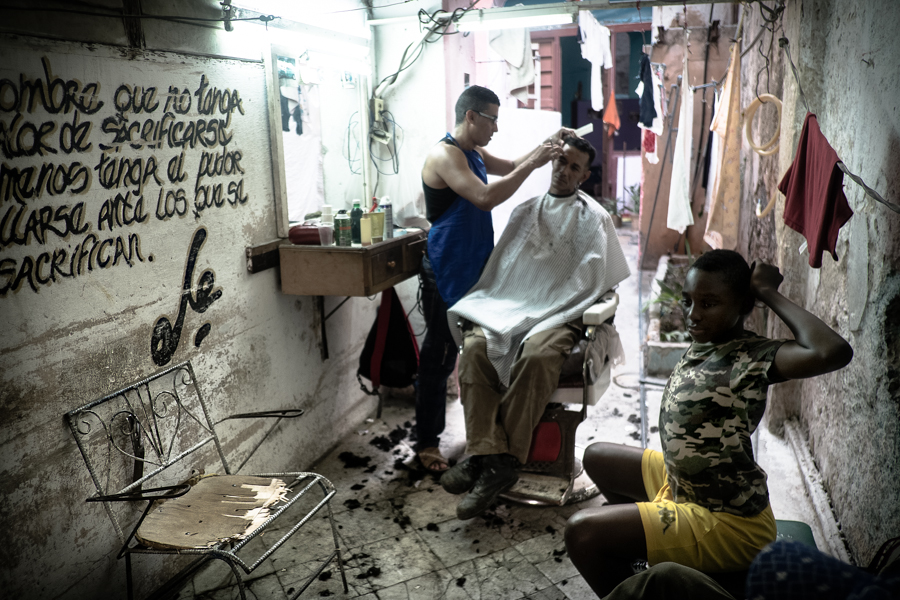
x,y
461,477
498,474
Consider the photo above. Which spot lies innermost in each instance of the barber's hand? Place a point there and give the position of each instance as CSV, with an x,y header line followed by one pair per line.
x,y
544,154
559,136
763,278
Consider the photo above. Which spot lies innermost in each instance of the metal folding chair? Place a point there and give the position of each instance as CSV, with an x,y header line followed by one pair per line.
x,y
161,424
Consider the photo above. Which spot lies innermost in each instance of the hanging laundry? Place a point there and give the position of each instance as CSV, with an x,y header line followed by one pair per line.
x,y
648,106
648,143
815,204
715,150
595,48
707,157
663,100
655,129
611,114
724,208
514,46
680,213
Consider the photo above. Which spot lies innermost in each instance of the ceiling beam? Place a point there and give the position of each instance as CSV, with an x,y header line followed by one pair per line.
x,y
507,12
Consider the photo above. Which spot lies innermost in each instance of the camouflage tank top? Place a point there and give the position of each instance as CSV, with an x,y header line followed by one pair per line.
x,y
711,405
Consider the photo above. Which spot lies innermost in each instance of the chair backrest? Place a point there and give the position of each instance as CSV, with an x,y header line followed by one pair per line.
x,y
155,429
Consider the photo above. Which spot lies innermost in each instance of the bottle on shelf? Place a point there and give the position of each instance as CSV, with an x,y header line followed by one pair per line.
x,y
355,216
388,218
342,236
365,230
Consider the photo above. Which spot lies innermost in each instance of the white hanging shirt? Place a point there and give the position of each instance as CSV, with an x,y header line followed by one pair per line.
x,y
595,48
680,213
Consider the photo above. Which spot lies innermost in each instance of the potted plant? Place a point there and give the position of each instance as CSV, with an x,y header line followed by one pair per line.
x,y
667,336
612,207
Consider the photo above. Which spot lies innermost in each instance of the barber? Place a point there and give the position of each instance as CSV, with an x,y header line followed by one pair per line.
x,y
458,201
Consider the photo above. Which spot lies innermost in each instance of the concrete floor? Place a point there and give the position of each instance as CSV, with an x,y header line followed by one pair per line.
x,y
398,530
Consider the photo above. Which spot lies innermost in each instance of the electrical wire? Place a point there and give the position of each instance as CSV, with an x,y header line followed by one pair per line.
x,y
334,12
392,147
121,15
772,23
435,27
438,28
349,153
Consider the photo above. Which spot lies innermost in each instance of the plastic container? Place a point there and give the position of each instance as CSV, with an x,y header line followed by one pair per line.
x,y
342,229
355,216
388,218
377,226
327,214
326,234
365,230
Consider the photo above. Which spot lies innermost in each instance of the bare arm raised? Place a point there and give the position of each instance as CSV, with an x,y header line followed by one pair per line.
x,y
816,349
502,166
447,166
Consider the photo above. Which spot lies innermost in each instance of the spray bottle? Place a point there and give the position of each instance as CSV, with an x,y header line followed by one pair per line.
x,y
388,218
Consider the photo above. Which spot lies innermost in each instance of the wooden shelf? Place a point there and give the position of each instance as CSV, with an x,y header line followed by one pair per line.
x,y
354,271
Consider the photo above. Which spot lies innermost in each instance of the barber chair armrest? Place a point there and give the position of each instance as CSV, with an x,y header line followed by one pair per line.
x,y
603,310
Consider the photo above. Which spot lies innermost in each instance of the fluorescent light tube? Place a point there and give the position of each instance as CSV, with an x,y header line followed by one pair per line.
x,y
486,23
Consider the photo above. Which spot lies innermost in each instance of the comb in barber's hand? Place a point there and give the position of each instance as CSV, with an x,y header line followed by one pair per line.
x,y
583,131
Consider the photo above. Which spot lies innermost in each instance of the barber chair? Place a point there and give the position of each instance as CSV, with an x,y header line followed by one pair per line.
x,y
553,473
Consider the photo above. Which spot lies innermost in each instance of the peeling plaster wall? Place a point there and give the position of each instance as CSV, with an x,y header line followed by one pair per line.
x,y
81,336
847,55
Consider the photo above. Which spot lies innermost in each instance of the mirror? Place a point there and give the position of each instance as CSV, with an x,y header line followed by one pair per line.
x,y
318,114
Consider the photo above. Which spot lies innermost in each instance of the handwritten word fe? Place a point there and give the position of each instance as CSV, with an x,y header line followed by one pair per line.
x,y
166,337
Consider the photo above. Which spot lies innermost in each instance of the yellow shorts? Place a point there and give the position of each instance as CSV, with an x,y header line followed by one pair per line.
x,y
691,535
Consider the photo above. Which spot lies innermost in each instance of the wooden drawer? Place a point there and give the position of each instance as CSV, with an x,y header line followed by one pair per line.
x,y
355,271
387,265
412,256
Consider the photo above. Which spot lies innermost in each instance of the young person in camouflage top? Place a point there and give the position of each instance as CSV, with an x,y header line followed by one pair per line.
x,y
703,501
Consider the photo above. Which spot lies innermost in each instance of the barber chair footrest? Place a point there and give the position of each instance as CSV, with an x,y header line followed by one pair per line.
x,y
544,490
549,490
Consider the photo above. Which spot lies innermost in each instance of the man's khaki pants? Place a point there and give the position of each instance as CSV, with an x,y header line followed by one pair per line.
x,y
501,421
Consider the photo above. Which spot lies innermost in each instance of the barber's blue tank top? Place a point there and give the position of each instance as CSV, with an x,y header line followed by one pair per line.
x,y
461,240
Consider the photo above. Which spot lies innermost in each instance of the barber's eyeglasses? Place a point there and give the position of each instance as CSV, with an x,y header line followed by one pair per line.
x,y
490,118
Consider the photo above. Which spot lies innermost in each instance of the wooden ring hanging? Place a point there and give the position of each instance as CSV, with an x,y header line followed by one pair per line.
x,y
770,147
765,211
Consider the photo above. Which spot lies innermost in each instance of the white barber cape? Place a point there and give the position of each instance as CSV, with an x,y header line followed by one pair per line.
x,y
556,257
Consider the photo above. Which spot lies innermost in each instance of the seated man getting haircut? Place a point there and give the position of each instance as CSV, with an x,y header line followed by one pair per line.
x,y
557,256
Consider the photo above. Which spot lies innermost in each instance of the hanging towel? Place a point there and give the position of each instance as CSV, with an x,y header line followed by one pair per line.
x,y
815,204
514,46
648,105
553,260
595,48
611,114
724,209
680,213
649,145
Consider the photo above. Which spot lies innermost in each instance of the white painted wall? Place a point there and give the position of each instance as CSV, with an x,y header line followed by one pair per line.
x,y
78,335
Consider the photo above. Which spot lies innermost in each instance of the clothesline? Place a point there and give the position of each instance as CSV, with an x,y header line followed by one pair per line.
x,y
784,43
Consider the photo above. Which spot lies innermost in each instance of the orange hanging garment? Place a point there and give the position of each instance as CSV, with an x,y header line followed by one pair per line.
x,y
611,114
